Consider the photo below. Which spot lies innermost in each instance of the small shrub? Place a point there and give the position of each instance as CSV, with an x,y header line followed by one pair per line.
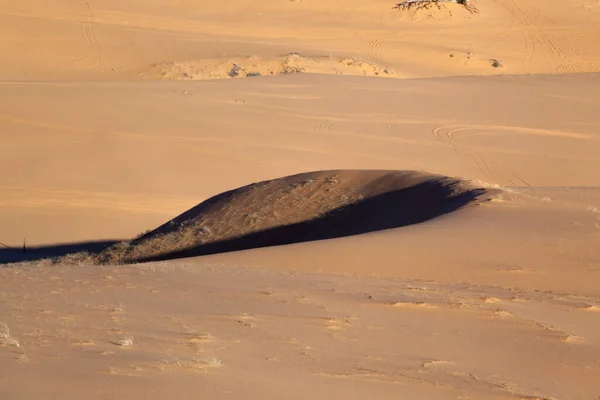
x,y
495,63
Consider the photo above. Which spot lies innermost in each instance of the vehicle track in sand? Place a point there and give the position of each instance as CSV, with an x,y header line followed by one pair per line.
x,y
375,51
538,40
324,128
90,36
456,135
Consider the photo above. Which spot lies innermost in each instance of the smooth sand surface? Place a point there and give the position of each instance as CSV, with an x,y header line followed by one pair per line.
x,y
186,329
117,116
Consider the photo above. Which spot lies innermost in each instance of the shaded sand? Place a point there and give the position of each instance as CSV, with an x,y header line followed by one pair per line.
x,y
299,208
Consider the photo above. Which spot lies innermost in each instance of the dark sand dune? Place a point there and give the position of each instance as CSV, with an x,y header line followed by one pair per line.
x,y
299,208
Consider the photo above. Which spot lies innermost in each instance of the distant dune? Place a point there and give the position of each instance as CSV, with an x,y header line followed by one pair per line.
x,y
299,208
106,39
252,66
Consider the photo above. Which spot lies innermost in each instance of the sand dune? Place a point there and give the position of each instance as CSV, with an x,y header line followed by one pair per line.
x,y
299,208
359,281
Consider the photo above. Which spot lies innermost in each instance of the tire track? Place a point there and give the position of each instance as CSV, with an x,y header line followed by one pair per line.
x,y
90,36
485,165
556,49
535,36
375,51
184,28
464,152
558,53
528,38
324,128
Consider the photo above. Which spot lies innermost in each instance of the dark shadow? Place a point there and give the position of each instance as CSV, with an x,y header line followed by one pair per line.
x,y
393,209
16,254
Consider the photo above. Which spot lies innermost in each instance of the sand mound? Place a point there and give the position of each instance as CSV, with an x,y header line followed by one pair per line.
x,y
251,66
298,208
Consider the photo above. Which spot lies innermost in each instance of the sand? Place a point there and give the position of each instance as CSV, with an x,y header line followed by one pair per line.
x,y
116,117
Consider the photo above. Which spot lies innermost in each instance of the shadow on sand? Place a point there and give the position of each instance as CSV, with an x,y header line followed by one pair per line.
x,y
14,254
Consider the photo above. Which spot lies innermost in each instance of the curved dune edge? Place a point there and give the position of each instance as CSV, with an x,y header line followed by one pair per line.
x,y
252,66
299,208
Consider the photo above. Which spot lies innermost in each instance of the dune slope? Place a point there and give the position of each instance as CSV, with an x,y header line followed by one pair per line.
x,y
298,208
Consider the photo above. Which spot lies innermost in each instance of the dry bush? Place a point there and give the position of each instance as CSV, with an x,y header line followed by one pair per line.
x,y
417,5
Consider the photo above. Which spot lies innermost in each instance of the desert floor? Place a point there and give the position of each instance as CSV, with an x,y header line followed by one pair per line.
x,y
116,116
